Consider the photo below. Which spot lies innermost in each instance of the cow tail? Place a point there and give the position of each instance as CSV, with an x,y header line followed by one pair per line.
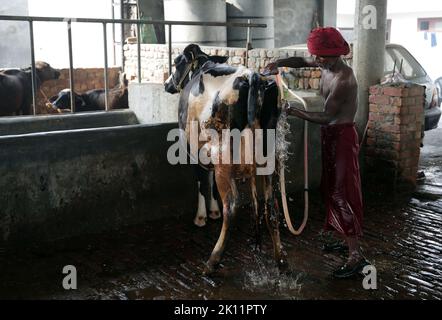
x,y
252,100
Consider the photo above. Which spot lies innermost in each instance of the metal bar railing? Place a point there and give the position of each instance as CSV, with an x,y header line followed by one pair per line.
x,y
33,72
71,66
139,52
106,81
248,45
104,22
114,50
130,21
169,30
122,34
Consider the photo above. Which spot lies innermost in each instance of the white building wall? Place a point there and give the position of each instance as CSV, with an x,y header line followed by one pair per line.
x,y
404,15
404,31
51,40
14,36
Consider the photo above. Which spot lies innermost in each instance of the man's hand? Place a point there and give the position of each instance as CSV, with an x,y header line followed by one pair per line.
x,y
271,69
290,110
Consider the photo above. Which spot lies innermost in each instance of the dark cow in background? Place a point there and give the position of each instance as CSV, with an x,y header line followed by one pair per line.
x,y
92,100
218,96
16,88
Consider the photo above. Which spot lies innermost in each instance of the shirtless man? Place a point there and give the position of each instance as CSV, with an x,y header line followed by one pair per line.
x,y
340,182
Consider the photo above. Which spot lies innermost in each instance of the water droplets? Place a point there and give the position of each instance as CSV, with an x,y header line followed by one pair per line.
x,y
264,276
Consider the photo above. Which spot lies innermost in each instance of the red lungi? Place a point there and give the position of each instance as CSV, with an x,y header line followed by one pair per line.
x,y
341,182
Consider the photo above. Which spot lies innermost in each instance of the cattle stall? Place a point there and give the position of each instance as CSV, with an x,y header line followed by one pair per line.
x,y
73,174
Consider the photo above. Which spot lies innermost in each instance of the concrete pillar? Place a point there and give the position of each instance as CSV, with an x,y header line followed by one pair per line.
x,y
258,11
294,21
197,10
369,51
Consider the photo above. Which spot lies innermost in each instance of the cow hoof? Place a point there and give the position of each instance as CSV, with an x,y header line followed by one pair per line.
x,y
283,265
200,221
215,215
208,271
211,268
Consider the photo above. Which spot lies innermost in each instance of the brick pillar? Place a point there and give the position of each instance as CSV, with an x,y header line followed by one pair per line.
x,y
395,132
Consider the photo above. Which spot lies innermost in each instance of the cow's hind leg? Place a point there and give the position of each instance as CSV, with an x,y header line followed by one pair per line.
x,y
201,214
214,208
203,193
272,221
229,195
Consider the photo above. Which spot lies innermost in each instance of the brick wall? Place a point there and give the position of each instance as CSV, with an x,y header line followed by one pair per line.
x,y
303,78
155,63
84,80
155,60
395,131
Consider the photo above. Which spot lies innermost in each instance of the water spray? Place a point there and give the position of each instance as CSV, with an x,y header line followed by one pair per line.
x,y
281,86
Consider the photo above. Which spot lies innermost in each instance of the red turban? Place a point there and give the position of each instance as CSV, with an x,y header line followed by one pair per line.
x,y
327,42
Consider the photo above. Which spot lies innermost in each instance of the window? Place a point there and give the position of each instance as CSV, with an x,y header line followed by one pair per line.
x,y
424,25
410,68
429,24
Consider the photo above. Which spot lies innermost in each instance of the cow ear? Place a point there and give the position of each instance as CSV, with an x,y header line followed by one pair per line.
x,y
218,59
194,51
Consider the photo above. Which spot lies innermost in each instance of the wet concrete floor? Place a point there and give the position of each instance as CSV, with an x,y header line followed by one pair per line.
x,y
164,259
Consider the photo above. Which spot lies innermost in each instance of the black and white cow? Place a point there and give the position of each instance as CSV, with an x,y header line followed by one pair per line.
x,y
93,100
218,96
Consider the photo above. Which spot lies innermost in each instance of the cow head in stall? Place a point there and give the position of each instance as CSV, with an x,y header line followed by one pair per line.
x,y
16,88
190,61
215,97
62,101
45,72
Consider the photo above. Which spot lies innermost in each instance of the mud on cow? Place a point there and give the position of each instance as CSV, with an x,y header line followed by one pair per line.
x,y
217,96
16,88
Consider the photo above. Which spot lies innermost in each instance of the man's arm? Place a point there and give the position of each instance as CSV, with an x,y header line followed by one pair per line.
x,y
333,106
292,62
296,62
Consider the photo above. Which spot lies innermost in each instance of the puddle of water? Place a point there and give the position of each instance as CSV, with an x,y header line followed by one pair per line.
x,y
264,276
